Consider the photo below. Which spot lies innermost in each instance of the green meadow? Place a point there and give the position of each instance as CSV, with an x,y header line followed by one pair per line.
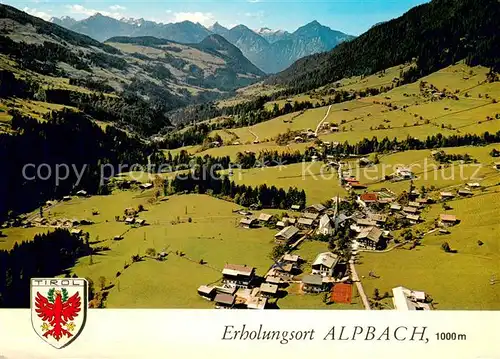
x,y
454,280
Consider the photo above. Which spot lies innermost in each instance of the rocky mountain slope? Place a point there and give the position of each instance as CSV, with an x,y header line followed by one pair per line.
x,y
271,51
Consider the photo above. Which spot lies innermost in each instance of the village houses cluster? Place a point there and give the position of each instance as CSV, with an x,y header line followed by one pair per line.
x,y
369,225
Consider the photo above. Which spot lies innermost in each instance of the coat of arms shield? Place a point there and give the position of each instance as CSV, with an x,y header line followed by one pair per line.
x,y
58,309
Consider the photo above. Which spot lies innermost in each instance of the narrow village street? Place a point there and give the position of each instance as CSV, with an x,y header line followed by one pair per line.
x,y
359,286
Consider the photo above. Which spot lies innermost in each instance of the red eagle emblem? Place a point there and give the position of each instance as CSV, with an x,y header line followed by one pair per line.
x,y
57,311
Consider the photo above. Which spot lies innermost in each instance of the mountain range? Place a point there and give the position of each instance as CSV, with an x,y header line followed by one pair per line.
x,y
435,35
154,75
271,51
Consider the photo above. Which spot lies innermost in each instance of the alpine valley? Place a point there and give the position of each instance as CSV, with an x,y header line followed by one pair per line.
x,y
271,51
179,166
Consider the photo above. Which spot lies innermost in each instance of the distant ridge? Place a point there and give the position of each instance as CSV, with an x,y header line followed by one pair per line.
x,y
436,34
271,51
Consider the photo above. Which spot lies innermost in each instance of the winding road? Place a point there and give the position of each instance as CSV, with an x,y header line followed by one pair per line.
x,y
322,121
254,135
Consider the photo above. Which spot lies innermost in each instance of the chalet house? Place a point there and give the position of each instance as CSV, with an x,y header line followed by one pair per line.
x,y
357,185
293,259
146,185
368,198
224,301
248,223
310,215
287,234
406,299
447,195
312,283
67,198
423,201
288,220
256,303
315,208
268,290
404,173
370,238
396,207
386,200
280,224
298,139
279,281
265,218
141,222
363,162
474,185
296,207
378,218
414,194
305,223
364,222
448,219
413,218
465,192
235,275
414,204
334,128
325,226
497,165
351,180
207,292
130,220
324,264
82,193
245,213
255,206
410,210
276,271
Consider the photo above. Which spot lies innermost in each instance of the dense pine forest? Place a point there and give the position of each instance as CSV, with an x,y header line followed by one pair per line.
x,y
47,255
66,137
436,34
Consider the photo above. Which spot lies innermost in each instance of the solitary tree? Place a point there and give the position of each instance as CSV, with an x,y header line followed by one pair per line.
x,y
446,247
102,282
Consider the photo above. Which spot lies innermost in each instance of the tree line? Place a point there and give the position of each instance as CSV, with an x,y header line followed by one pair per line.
x,y
268,158
203,180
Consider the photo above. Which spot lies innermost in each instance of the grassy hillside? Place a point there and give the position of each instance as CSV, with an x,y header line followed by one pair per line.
x,y
143,72
470,105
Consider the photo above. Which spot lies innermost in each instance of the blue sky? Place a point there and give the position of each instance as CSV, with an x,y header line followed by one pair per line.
x,y
350,16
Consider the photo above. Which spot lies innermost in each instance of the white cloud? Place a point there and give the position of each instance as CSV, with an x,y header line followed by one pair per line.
x,y
255,14
81,10
40,14
117,7
204,18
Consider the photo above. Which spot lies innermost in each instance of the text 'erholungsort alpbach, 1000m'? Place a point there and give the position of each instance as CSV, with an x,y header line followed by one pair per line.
x,y
340,333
